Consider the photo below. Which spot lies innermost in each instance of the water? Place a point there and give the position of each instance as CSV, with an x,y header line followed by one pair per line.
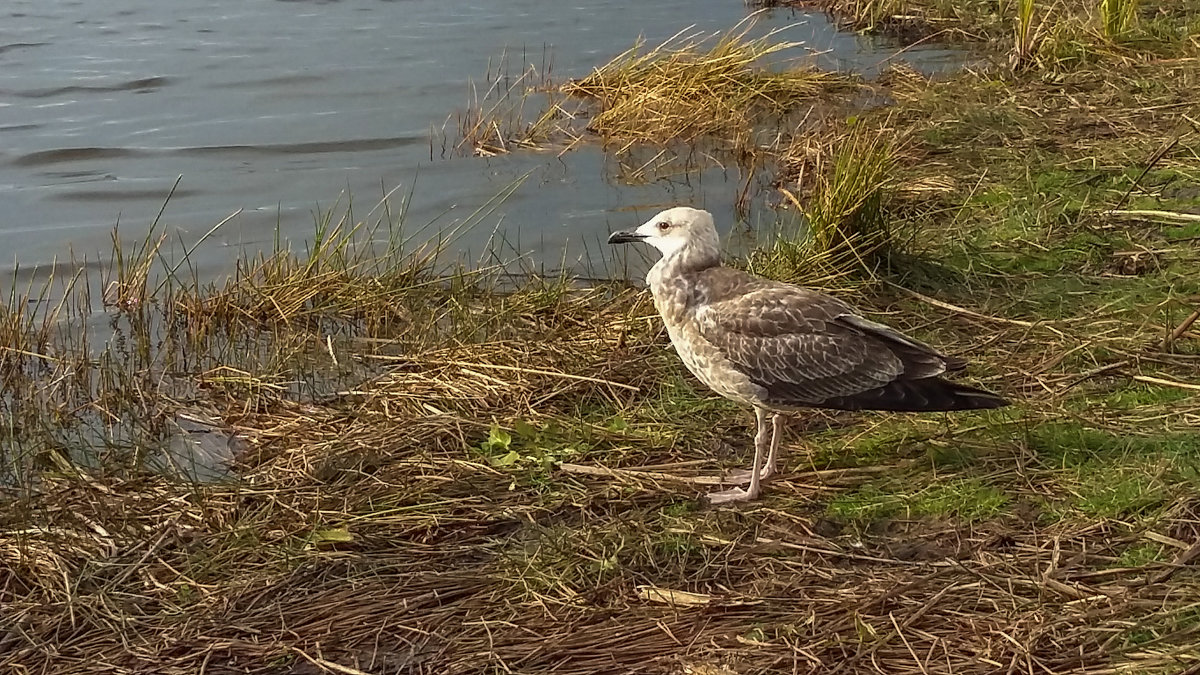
x,y
278,107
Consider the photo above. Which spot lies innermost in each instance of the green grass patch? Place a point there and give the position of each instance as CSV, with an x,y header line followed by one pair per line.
x,y
964,499
967,499
1073,444
1110,475
1131,396
866,504
1141,554
1115,491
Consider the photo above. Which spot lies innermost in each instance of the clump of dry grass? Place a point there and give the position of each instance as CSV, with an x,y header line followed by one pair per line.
x,y
522,112
692,86
722,87
843,185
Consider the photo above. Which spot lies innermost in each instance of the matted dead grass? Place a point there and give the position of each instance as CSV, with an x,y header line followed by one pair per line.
x,y
365,535
425,563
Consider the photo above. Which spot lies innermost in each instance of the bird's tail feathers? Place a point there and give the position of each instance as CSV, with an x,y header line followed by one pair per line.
x,y
922,395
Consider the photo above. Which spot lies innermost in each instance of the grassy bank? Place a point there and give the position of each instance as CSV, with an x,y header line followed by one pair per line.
x,y
439,473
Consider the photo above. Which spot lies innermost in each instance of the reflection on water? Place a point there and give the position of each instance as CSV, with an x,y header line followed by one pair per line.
x,y
276,108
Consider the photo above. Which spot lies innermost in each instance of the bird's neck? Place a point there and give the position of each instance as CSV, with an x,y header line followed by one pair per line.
x,y
667,279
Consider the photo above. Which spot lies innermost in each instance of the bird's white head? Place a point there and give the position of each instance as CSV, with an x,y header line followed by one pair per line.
x,y
678,231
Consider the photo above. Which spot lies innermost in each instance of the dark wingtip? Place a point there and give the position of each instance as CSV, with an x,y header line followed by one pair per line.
x,y
923,395
954,363
978,399
941,394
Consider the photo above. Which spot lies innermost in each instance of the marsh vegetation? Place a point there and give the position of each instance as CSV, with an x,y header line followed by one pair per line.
x,y
441,469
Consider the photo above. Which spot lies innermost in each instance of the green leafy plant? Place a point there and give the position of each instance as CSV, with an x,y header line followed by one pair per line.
x,y
529,446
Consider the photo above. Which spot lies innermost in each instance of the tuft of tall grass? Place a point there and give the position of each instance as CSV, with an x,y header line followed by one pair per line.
x,y
692,86
1118,17
525,111
1027,36
853,187
845,186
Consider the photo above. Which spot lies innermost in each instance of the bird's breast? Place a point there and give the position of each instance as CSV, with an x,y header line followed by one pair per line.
x,y
709,365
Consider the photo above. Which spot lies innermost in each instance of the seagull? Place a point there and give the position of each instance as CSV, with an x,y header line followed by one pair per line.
x,y
779,347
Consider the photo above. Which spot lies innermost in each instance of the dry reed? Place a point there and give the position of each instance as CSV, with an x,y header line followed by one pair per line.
x,y
692,86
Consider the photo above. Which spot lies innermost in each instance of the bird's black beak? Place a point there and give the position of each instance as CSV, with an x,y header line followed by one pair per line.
x,y
626,237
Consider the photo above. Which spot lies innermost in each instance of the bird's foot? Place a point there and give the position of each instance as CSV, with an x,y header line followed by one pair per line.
x,y
736,494
743,476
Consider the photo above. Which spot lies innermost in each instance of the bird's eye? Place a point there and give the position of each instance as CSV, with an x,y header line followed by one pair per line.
x,y
663,226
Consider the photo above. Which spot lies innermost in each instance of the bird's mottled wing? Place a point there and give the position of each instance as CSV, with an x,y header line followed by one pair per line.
x,y
920,360
790,341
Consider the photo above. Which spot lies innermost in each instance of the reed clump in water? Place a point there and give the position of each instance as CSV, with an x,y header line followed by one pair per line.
x,y
525,111
691,86
726,87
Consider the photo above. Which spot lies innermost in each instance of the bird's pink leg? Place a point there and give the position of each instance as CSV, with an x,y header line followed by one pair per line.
x,y
742,476
776,436
738,494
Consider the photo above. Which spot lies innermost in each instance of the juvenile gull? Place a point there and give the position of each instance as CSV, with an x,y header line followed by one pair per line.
x,y
780,347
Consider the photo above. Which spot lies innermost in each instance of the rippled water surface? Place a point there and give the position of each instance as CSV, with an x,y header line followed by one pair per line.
x,y
278,107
